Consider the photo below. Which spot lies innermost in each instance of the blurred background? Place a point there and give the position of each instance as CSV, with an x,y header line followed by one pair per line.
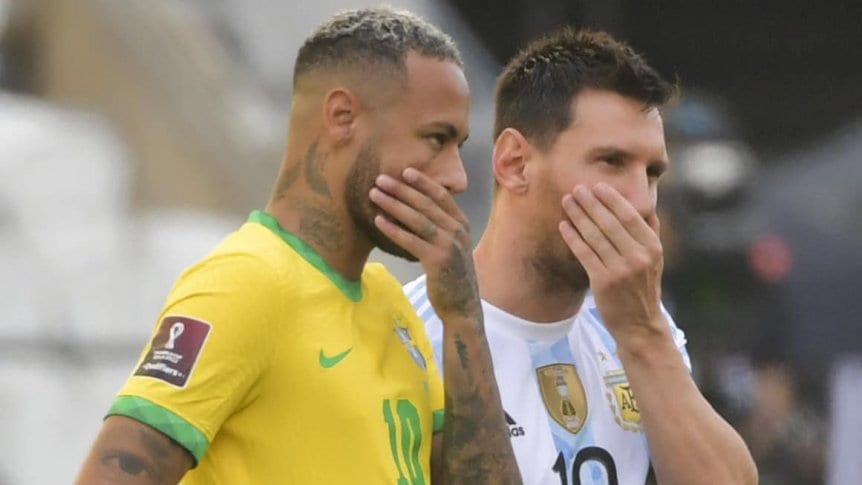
x,y
135,135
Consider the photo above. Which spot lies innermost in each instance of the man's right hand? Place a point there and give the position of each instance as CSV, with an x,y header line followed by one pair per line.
x,y
434,230
475,446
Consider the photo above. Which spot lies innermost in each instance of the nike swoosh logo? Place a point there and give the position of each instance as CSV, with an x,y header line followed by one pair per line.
x,y
327,362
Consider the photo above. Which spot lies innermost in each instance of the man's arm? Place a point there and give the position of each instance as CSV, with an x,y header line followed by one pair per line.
x,y
129,452
689,442
475,445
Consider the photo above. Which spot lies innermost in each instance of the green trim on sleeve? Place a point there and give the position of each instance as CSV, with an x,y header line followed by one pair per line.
x,y
351,289
439,418
163,420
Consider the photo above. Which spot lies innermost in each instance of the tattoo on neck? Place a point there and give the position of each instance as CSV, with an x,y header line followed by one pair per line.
x,y
315,166
286,179
320,227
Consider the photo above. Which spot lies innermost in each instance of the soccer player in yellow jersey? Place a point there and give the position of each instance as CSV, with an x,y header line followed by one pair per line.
x,y
283,357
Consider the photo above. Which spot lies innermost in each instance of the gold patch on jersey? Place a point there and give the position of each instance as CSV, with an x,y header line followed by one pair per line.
x,y
622,401
564,396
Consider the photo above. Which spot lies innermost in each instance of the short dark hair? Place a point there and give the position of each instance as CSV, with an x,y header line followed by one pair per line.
x,y
536,88
375,40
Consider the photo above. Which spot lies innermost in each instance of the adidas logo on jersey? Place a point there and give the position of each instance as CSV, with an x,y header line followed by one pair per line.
x,y
514,429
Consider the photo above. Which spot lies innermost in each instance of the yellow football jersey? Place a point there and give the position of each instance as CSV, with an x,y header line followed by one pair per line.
x,y
269,367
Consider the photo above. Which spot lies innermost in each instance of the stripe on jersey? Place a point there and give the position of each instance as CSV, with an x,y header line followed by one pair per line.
x,y
560,352
418,295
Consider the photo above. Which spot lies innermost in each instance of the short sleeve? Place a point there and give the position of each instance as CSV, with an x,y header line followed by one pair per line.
x,y
435,380
212,341
416,294
678,337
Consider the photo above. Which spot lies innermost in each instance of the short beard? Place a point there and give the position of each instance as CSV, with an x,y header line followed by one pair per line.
x,y
360,180
559,273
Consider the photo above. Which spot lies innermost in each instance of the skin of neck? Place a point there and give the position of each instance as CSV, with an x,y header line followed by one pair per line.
x,y
308,198
507,277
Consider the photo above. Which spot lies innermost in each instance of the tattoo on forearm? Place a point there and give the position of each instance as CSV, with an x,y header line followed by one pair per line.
x,y
467,430
472,453
320,227
315,165
462,354
456,289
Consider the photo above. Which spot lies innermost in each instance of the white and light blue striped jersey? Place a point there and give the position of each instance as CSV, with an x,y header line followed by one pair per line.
x,y
571,413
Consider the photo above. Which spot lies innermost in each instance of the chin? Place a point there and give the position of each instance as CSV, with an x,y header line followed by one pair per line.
x,y
397,251
388,246
561,271
366,225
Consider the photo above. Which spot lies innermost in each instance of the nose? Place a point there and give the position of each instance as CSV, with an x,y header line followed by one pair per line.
x,y
453,175
640,193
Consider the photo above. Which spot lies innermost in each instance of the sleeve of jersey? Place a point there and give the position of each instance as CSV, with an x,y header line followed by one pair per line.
x,y
678,338
435,380
418,296
430,348
212,341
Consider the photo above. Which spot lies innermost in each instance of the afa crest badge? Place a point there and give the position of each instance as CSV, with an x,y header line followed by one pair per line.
x,y
622,401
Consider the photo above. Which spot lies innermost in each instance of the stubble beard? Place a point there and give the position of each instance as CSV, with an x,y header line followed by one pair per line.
x,y
360,180
557,268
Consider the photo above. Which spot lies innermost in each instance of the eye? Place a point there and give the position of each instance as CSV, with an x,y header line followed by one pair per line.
x,y
612,160
437,140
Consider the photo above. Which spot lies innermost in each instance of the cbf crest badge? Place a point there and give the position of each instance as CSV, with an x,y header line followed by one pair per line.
x,y
564,396
404,337
622,401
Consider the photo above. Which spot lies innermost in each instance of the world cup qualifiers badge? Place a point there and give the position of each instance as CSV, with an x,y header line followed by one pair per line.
x,y
174,350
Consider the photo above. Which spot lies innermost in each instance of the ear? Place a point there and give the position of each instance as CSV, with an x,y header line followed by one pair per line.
x,y
511,153
341,108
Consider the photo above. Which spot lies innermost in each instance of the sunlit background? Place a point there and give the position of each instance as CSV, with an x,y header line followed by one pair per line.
x,y
135,134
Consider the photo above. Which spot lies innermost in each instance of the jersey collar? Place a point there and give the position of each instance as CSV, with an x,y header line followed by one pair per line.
x,y
524,329
351,289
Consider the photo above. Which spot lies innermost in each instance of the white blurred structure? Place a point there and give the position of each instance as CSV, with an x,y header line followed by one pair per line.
x,y
81,281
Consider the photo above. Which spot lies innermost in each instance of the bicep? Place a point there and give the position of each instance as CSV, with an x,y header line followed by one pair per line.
x,y
127,451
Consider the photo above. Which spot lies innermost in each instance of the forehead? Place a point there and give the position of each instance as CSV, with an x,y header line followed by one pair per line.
x,y
605,118
435,91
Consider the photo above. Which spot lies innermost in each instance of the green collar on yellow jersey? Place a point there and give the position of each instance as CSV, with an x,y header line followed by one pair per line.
x,y
351,289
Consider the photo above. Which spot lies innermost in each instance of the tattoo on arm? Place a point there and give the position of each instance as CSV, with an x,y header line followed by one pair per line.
x,y
131,464
127,452
477,447
457,290
462,354
154,444
315,165
155,459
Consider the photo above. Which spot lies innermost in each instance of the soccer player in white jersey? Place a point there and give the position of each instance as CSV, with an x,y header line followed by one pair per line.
x,y
593,373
